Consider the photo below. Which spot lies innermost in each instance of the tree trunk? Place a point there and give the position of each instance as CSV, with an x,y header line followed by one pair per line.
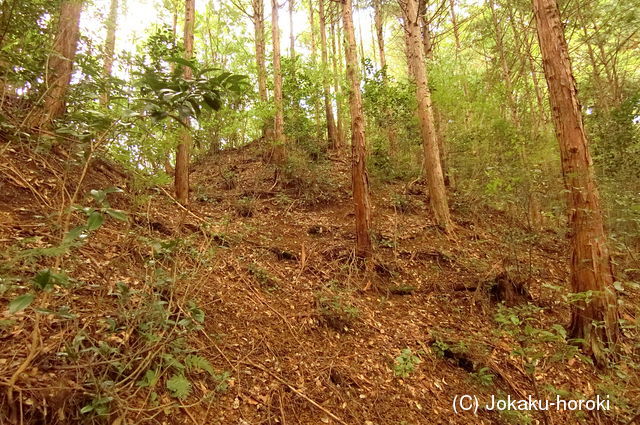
x,y
359,175
379,23
361,44
278,127
433,166
313,32
331,126
591,268
443,147
427,43
258,27
184,147
109,47
506,71
337,87
60,63
292,38
454,23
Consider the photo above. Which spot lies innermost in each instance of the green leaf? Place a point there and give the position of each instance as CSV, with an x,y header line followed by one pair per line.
x,y
42,280
20,303
113,189
197,364
197,314
86,409
73,234
95,221
6,323
171,361
149,380
181,61
117,214
179,386
98,195
212,102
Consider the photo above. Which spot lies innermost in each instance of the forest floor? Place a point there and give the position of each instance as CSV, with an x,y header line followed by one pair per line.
x,y
260,281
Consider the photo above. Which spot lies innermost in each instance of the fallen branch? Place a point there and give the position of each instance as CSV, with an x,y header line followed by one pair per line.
x,y
33,352
295,390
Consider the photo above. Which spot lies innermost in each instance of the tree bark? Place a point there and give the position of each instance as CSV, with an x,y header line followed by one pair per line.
x,y
506,70
337,72
379,23
433,166
292,38
184,147
331,125
591,268
278,127
359,175
313,31
454,23
60,63
427,43
258,27
109,47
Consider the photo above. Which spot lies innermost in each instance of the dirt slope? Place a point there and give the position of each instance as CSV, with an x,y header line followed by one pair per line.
x,y
305,335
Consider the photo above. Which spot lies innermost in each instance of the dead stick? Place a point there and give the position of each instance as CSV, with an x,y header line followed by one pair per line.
x,y
33,352
295,390
182,206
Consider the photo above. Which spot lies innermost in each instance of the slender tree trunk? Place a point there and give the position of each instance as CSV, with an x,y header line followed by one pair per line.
x,y
379,23
433,166
359,175
278,124
506,71
184,147
292,38
313,31
344,116
454,23
443,147
332,138
337,86
109,48
427,43
60,63
407,53
388,124
258,27
591,268
361,44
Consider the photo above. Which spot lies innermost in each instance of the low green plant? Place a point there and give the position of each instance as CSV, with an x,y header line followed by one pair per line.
x,y
264,279
483,376
405,363
244,207
335,310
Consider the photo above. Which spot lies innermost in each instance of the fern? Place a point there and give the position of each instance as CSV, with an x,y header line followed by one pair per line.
x,y
198,364
179,386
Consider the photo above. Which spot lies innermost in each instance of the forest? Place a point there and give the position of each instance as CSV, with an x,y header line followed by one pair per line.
x,y
354,212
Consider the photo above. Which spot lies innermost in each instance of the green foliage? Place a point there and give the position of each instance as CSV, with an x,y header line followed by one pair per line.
x,y
335,310
405,363
484,376
535,344
99,406
391,127
181,99
264,279
20,303
179,386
